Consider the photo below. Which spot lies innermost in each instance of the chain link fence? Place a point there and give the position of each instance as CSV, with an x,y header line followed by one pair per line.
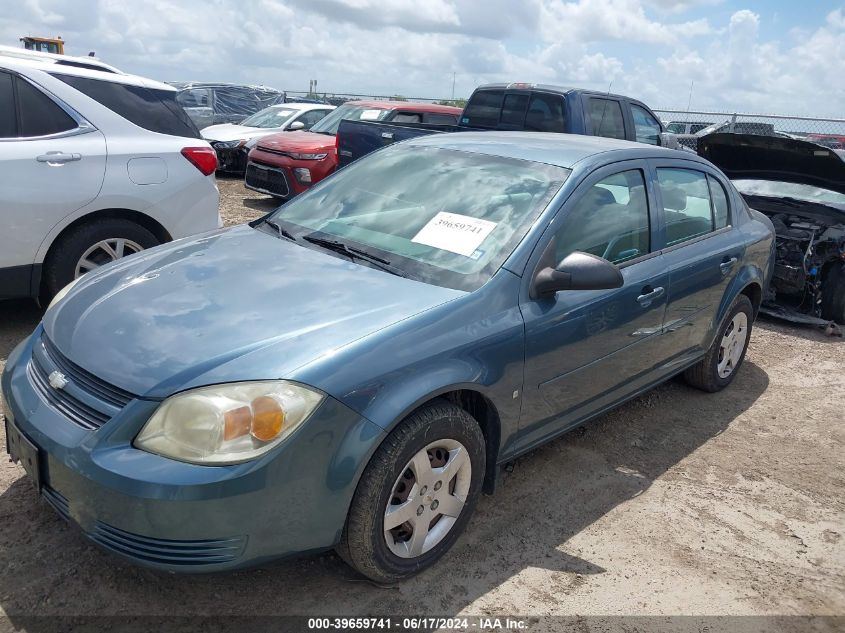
x,y
689,126
338,98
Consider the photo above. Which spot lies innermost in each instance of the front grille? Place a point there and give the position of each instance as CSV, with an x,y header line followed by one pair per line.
x,y
166,551
74,410
266,180
98,388
93,401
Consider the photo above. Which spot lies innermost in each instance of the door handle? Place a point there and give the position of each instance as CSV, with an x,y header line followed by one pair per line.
x,y
649,295
726,265
57,158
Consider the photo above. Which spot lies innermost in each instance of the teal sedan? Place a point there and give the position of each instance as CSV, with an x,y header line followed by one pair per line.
x,y
353,370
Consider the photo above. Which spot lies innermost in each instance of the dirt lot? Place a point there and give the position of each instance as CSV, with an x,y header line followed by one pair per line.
x,y
677,503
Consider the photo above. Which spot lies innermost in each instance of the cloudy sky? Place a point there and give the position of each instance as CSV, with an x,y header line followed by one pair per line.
x,y
773,56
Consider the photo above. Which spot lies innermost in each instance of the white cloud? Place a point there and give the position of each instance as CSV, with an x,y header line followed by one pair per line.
x,y
647,48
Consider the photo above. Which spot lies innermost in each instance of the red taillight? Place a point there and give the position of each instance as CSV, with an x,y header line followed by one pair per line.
x,y
203,158
336,145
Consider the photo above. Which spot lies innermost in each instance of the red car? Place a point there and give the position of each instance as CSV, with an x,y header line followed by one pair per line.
x,y
285,164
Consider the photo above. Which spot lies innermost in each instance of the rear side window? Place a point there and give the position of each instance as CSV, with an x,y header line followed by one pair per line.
x,y
545,113
38,114
720,203
646,126
610,220
483,109
407,117
151,109
686,204
440,119
606,117
8,122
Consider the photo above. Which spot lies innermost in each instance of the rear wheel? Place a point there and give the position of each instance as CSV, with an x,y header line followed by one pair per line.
x,y
833,295
724,358
416,494
91,245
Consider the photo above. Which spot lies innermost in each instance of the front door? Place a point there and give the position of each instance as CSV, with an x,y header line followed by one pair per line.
x,y
588,349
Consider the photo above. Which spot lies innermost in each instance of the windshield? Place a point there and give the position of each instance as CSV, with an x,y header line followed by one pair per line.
x,y
330,123
444,217
269,117
788,190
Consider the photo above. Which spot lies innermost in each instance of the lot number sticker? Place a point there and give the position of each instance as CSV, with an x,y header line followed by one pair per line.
x,y
455,233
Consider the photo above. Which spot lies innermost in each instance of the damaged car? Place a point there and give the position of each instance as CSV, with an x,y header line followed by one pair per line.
x,y
231,141
800,186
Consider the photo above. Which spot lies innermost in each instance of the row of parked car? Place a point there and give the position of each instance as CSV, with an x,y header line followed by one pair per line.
x,y
353,369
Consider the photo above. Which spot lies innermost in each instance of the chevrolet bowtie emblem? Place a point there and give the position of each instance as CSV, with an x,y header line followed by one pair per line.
x,y
57,380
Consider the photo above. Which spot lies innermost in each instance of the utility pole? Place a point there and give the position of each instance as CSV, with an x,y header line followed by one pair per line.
x,y
689,101
453,86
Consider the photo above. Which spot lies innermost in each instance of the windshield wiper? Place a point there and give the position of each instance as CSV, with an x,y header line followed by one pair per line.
x,y
353,253
283,232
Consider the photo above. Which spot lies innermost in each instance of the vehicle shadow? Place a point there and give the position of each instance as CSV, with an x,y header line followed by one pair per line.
x,y
552,495
18,317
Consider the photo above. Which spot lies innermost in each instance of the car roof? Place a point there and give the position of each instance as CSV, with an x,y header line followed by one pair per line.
x,y
410,106
24,64
551,88
190,85
295,105
52,60
562,150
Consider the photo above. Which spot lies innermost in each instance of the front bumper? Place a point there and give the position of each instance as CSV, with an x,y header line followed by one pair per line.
x,y
174,516
230,160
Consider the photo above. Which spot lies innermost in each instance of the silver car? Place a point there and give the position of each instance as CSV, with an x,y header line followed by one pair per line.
x,y
96,164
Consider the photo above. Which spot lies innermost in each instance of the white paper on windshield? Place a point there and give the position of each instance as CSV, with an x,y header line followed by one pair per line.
x,y
455,233
370,115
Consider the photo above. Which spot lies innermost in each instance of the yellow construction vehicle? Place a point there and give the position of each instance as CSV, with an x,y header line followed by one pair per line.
x,y
55,45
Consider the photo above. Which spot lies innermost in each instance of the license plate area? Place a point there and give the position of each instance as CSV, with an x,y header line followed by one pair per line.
x,y
21,450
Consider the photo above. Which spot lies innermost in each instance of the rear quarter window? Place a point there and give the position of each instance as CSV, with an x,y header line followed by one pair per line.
x,y
149,108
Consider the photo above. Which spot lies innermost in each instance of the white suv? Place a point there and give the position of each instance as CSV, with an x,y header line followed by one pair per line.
x,y
95,164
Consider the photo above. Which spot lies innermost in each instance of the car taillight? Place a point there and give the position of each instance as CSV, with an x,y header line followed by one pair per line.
x,y
203,158
337,145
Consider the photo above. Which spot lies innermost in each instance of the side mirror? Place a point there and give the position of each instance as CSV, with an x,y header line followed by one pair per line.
x,y
667,139
578,271
296,125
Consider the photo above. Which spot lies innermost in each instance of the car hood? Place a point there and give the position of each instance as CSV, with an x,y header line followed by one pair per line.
x,y
234,304
233,132
754,157
298,142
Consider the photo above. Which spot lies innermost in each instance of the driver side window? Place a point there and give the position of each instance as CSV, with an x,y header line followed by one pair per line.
x,y
610,220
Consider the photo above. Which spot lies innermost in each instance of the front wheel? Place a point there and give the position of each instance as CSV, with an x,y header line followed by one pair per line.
x,y
416,494
833,295
724,358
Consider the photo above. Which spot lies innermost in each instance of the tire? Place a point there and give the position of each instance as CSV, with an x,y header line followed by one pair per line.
x,y
833,295
391,478
711,373
61,265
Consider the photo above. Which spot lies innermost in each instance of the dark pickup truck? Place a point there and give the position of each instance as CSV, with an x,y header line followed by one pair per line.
x,y
519,106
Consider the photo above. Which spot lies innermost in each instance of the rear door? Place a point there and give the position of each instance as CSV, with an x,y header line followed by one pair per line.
x,y
588,349
52,163
701,247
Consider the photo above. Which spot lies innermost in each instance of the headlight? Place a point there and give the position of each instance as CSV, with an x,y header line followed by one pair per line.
x,y
227,424
231,144
61,293
299,156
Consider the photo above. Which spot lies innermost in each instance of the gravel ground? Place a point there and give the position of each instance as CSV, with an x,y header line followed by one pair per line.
x,y
678,502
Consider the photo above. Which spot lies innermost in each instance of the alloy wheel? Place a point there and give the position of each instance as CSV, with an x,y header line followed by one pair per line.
x,y
103,252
